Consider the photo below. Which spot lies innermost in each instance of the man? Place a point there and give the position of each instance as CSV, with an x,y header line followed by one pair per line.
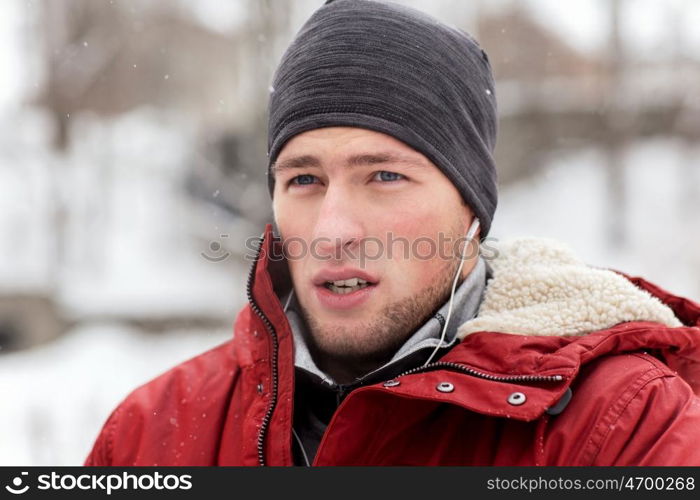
x,y
391,333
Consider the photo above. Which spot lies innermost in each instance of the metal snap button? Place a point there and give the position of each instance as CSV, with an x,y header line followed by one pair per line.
x,y
260,388
517,398
391,383
445,387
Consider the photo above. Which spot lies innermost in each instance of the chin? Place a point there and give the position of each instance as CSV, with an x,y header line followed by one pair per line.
x,y
341,338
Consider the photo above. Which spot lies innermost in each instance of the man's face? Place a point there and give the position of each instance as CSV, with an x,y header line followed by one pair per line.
x,y
354,203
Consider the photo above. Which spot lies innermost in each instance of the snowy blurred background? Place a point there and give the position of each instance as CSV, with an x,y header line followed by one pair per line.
x,y
132,158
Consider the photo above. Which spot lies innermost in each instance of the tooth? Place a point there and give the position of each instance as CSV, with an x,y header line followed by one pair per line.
x,y
348,282
342,290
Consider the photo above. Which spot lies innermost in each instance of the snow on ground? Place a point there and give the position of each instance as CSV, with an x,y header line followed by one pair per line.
x,y
57,397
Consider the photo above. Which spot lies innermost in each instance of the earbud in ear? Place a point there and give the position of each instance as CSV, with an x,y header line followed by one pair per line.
x,y
473,228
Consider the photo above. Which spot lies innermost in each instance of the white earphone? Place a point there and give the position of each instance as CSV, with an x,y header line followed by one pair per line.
x,y
469,237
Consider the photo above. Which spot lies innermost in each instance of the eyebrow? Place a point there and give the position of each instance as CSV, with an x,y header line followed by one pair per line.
x,y
307,161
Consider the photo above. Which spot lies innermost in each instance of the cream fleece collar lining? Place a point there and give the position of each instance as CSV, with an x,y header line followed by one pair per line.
x,y
540,288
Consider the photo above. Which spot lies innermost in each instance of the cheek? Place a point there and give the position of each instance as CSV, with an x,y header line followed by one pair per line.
x,y
294,231
409,224
421,251
421,237
413,277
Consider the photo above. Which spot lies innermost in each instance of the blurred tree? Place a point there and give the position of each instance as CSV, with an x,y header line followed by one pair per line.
x,y
109,58
617,131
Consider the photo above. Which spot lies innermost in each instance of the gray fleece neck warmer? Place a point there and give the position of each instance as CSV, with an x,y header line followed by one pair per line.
x,y
395,70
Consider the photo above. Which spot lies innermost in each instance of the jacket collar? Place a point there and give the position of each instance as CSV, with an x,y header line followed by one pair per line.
x,y
541,288
545,312
498,346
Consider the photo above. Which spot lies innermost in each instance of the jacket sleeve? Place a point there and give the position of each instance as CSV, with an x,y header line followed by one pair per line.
x,y
659,425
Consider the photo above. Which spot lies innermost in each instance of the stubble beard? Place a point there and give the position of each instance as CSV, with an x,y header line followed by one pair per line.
x,y
339,347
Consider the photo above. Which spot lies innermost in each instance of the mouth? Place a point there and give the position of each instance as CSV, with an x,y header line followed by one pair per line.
x,y
344,289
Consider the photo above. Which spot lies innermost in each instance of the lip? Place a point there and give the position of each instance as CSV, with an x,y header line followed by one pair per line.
x,y
337,302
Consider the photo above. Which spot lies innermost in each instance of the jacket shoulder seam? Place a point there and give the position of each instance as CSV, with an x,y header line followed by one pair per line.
x,y
617,408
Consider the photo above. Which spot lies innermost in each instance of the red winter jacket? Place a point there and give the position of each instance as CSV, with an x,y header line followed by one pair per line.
x,y
616,396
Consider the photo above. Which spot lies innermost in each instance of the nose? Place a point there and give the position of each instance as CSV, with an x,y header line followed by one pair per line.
x,y
339,226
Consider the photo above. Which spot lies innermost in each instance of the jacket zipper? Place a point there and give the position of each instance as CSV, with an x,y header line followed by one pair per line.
x,y
273,334
475,373
436,365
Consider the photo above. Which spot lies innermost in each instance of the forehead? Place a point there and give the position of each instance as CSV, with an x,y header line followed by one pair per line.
x,y
344,135
350,145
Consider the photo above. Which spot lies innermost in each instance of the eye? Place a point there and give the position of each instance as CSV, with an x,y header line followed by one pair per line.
x,y
386,176
302,180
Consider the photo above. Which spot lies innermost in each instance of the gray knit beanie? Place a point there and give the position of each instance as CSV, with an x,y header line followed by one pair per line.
x,y
392,69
